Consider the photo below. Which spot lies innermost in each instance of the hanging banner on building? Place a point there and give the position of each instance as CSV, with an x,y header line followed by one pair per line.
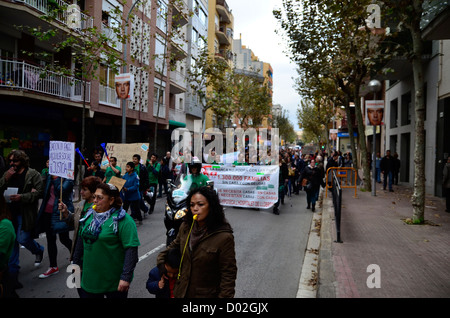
x,y
124,153
244,186
374,112
124,86
62,159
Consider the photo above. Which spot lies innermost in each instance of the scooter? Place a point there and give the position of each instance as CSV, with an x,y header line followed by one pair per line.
x,y
176,206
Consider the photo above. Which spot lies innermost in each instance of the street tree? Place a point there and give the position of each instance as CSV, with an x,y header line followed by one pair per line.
x,y
252,99
314,116
332,40
285,127
406,16
208,79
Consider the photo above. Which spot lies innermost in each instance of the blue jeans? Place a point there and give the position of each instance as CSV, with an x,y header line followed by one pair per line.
x,y
378,174
25,239
386,176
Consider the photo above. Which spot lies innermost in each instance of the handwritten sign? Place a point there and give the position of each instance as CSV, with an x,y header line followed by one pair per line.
x,y
245,186
124,153
62,159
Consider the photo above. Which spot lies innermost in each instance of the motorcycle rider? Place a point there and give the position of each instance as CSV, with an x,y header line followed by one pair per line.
x,y
196,179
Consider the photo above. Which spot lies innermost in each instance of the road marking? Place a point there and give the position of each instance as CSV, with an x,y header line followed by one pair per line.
x,y
156,249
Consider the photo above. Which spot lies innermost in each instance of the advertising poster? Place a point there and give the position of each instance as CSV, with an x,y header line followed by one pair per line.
x,y
374,112
124,86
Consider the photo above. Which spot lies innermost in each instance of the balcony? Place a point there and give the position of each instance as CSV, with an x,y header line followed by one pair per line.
x,y
65,17
16,75
162,110
435,22
180,13
222,36
107,96
223,10
177,82
193,106
178,47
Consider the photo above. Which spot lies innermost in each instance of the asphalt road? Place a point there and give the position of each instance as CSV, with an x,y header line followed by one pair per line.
x,y
269,250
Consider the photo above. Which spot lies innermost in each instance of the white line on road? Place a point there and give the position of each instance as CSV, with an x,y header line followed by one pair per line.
x,y
156,249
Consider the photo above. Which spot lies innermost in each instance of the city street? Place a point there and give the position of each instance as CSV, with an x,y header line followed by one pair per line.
x,y
269,250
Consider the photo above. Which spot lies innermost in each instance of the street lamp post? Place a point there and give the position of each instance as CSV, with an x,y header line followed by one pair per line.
x,y
374,87
124,101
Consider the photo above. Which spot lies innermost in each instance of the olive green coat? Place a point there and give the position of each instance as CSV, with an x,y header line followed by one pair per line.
x,y
209,271
33,190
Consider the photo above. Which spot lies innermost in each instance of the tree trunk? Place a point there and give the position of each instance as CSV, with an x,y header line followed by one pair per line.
x,y
418,197
350,133
367,186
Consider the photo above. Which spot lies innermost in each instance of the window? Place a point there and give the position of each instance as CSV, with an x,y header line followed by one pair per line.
x,y
394,113
107,76
194,36
159,52
406,109
111,21
181,104
159,89
161,16
203,17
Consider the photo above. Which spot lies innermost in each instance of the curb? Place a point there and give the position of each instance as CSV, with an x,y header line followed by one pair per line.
x,y
309,277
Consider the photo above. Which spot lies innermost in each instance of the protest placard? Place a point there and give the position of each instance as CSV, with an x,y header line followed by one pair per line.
x,y
124,153
244,186
62,159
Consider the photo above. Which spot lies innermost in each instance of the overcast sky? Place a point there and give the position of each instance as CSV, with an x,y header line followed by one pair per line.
x,y
255,24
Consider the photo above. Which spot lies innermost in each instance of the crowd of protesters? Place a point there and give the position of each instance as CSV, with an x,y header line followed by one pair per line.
x,y
44,203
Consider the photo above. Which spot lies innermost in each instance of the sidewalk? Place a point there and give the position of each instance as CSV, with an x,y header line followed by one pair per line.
x,y
413,260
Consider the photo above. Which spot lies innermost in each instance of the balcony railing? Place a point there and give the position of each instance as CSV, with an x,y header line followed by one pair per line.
x,y
23,76
63,16
177,115
162,110
107,96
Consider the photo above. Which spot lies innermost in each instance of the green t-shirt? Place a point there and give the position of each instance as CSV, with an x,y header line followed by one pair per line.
x,y
109,173
197,181
151,176
103,259
7,239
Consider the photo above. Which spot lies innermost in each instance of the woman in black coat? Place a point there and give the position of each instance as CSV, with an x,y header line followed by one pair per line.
x,y
314,174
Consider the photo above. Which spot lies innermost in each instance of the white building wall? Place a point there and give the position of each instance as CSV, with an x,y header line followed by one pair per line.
x,y
431,75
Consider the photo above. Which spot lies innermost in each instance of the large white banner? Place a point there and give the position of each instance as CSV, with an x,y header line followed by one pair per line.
x,y
244,186
62,159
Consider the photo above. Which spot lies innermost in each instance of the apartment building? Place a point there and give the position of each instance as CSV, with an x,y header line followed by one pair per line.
x,y
38,105
399,102
220,40
247,63
197,35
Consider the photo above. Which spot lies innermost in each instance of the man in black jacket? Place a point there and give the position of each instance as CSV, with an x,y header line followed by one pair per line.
x,y
387,167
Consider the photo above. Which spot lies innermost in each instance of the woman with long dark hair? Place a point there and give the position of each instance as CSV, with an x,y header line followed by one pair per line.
x,y
206,242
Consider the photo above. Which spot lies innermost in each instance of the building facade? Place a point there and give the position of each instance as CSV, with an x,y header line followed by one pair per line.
x,y
38,105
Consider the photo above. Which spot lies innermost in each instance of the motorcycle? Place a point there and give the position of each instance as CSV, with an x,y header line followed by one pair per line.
x,y
176,205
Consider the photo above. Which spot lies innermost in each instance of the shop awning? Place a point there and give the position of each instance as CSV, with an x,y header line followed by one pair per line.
x,y
176,123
